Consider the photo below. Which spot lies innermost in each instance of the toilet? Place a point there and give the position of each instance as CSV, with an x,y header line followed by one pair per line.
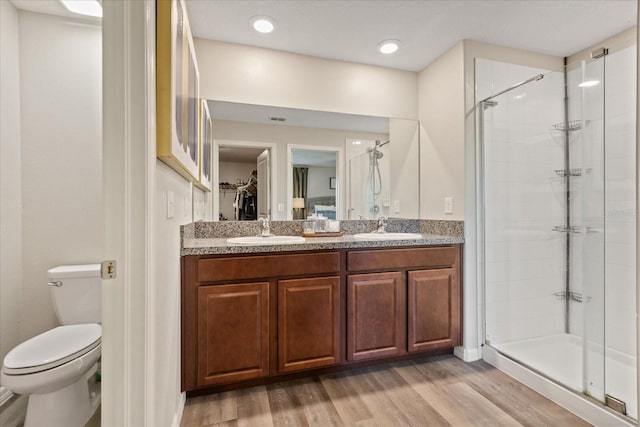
x,y
57,368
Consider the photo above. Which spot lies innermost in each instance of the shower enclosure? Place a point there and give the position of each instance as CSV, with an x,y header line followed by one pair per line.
x,y
368,168
557,190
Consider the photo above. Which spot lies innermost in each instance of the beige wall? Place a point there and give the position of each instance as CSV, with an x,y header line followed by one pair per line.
x,y
10,182
441,105
618,41
404,169
238,73
638,196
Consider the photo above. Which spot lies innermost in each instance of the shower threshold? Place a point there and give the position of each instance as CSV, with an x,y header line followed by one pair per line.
x,y
559,358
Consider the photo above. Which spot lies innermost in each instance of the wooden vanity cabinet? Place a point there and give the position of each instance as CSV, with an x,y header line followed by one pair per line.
x,y
415,308
233,332
376,315
434,309
308,323
255,316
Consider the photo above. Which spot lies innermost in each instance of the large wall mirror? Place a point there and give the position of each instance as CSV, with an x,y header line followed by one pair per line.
x,y
343,165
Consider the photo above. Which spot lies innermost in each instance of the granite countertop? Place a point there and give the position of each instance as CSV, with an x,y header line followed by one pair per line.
x,y
219,246
208,239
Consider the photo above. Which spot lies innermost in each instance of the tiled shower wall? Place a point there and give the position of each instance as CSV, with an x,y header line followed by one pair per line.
x,y
524,200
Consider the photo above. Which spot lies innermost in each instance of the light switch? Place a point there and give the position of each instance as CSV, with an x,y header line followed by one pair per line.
x,y
448,205
396,206
280,207
170,204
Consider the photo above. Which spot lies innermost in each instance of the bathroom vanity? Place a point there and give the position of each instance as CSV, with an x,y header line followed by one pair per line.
x,y
258,314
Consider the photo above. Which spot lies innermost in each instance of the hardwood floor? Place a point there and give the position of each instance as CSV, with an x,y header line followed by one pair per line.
x,y
440,391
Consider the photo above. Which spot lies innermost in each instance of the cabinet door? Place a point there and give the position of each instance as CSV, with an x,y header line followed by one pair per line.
x,y
308,323
434,309
376,317
233,332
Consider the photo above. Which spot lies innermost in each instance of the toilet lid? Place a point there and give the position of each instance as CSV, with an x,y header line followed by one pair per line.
x,y
51,348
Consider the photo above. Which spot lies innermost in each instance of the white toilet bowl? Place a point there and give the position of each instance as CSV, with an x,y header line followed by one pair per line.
x,y
57,370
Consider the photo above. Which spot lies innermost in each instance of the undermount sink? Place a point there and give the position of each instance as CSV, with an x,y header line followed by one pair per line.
x,y
268,240
387,236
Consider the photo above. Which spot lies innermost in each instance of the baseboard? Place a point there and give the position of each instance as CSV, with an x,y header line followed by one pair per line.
x,y
177,418
5,395
467,354
589,411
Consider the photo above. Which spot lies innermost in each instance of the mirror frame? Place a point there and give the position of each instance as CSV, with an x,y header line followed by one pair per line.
x,y
217,143
339,175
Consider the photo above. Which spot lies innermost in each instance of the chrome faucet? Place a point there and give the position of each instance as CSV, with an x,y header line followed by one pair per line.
x,y
265,226
382,224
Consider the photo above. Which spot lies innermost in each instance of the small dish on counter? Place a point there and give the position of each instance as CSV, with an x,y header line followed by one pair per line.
x,y
324,234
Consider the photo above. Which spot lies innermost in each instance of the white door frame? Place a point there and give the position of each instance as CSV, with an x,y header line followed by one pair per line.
x,y
243,144
339,175
128,40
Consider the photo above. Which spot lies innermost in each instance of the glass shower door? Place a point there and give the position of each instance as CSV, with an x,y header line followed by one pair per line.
x,y
586,155
558,197
361,197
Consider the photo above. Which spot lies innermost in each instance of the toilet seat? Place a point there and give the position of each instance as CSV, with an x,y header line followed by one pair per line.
x,y
52,349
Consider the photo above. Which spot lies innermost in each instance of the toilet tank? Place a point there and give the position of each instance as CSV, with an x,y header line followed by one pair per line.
x,y
76,293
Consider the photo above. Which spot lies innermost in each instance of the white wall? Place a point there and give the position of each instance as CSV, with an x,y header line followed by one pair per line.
x,y
62,210
163,357
238,73
202,205
10,181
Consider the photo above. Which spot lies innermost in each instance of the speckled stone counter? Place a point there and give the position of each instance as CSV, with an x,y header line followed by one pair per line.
x,y
210,238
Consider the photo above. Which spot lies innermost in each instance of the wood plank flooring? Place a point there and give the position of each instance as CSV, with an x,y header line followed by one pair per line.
x,y
440,391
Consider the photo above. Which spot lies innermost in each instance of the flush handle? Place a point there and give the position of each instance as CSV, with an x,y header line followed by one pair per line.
x,y
57,283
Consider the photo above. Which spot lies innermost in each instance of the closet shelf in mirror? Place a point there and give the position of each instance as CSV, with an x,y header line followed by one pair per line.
x,y
226,187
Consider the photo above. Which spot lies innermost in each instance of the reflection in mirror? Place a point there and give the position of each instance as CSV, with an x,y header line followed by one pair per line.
x,y
243,176
369,178
314,173
281,127
384,174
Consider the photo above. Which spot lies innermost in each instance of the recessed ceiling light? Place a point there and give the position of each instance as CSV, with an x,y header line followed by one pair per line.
x,y
263,24
83,7
388,46
589,83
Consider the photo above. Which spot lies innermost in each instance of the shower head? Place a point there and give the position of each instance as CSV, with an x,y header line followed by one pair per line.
x,y
380,144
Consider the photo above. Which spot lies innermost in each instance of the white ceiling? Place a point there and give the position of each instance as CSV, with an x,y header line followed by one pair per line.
x,y
350,30
51,7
